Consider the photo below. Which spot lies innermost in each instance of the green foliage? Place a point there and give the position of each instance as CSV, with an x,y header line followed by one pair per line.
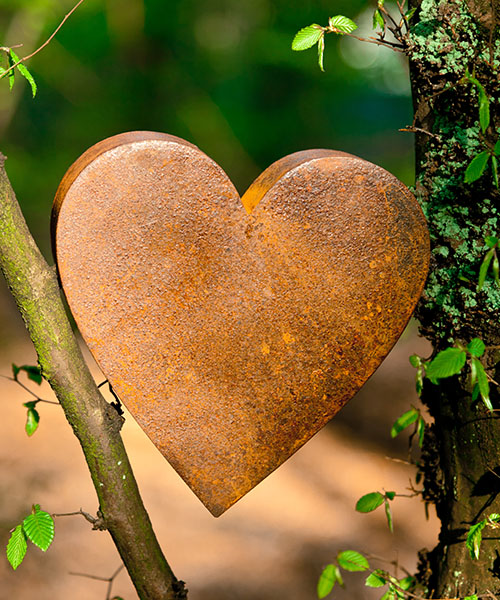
x,y
32,418
34,373
475,534
476,347
376,579
17,546
341,25
307,37
477,167
404,421
327,581
484,102
446,363
38,527
369,502
353,561
12,60
490,259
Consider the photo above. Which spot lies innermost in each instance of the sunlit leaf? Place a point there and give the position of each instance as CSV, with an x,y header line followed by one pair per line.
x,y
307,37
476,167
421,431
474,539
326,581
350,560
369,502
378,20
491,241
16,548
376,579
321,51
32,421
404,421
39,528
342,24
24,72
483,383
447,363
388,514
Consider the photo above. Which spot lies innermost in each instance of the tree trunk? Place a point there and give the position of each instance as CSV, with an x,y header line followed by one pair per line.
x,y
461,458
95,423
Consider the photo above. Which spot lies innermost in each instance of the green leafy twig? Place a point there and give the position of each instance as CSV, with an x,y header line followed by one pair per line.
x,y
16,62
349,560
38,527
34,374
412,416
450,362
475,534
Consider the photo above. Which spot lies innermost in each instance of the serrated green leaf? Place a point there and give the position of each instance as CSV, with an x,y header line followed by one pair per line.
x,y
476,167
496,149
404,421
421,431
32,421
376,579
39,528
415,361
476,347
474,539
483,270
378,20
24,72
447,363
342,24
388,514
350,560
491,241
16,548
483,383
321,52
307,37
369,502
326,581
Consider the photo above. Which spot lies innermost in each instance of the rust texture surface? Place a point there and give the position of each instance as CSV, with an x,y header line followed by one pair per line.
x,y
233,335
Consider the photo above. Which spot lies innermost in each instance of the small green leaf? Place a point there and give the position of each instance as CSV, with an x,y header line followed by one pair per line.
x,y
389,595
388,514
32,371
475,393
407,583
476,167
419,380
39,528
494,517
473,597
342,24
421,431
369,502
11,74
376,579
326,581
483,270
415,361
378,20
32,420
16,548
491,241
24,72
410,13
494,168
484,111
321,52
390,495
447,363
350,560
307,37
476,347
338,576
474,539
496,149
495,267
483,383
404,421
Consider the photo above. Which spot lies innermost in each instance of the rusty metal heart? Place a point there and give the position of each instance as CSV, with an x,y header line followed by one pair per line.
x,y
233,335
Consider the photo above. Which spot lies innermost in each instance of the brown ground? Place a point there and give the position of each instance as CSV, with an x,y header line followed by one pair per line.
x,y
271,545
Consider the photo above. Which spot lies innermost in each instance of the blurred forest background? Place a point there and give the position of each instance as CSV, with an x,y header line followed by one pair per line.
x,y
221,74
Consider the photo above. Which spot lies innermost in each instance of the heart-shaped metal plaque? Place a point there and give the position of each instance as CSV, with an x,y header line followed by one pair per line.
x,y
233,335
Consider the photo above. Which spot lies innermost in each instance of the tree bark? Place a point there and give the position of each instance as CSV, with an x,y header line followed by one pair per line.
x,y
95,423
461,458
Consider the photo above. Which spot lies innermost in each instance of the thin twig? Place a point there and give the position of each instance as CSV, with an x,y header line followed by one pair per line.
x,y
38,399
412,129
25,58
372,40
109,580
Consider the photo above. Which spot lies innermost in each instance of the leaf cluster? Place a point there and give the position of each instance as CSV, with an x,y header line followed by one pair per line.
x,y
15,64
38,527
370,502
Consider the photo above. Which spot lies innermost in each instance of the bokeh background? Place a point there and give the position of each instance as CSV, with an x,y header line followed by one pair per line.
x,y
221,74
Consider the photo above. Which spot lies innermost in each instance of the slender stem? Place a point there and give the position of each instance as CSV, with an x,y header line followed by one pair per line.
x,y
46,43
28,390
